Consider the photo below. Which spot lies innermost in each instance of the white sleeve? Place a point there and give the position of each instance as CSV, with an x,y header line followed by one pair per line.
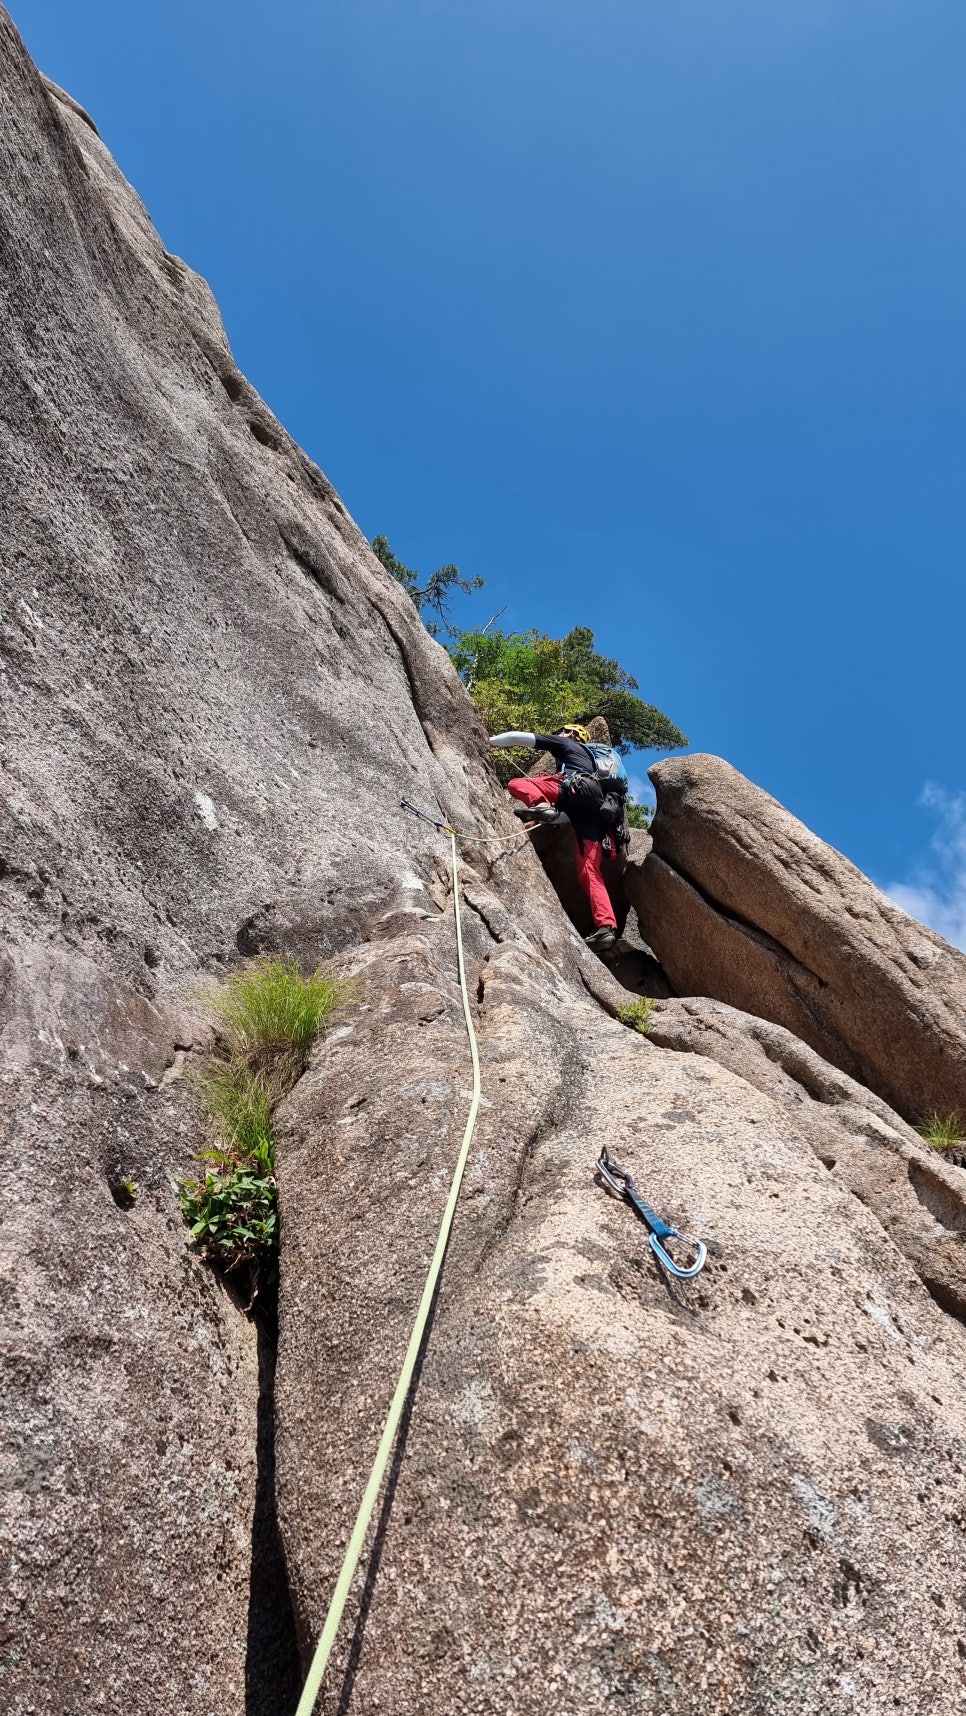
x,y
503,741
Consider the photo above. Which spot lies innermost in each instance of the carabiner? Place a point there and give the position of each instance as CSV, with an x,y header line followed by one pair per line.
x,y
701,1255
621,1184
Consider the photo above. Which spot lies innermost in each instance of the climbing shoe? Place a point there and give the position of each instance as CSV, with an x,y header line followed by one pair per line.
x,y
535,812
602,939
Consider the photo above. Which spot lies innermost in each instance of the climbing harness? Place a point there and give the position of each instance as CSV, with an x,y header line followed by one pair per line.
x,y
619,1181
323,1649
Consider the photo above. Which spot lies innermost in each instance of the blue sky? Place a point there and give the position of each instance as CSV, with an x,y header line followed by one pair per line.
x,y
650,314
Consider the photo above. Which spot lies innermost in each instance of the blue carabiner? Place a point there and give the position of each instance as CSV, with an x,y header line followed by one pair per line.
x,y
619,1181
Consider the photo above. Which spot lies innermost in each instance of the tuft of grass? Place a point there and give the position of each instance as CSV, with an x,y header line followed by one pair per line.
x,y
943,1131
267,1017
270,1013
639,1014
240,1105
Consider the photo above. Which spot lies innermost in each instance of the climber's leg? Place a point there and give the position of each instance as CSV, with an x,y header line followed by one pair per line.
x,y
589,854
541,789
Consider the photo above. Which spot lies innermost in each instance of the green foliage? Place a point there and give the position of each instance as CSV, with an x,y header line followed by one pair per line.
x,y
639,1014
233,1215
943,1131
639,815
240,1105
535,683
435,594
267,1017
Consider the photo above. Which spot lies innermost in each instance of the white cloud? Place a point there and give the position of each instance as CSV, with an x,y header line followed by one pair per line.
x,y
936,892
640,789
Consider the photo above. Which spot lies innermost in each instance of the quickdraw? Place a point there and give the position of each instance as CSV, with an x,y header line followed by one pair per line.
x,y
471,839
619,1182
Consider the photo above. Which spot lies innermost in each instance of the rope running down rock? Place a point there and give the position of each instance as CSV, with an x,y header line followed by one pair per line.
x,y
316,1674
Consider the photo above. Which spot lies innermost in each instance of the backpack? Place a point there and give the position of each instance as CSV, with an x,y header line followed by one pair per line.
x,y
610,770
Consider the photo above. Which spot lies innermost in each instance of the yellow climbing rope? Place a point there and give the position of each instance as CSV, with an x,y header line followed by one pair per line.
x,y
310,1691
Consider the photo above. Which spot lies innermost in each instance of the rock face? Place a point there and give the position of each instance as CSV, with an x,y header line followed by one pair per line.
x,y
918,1197
742,903
736,1497
710,1499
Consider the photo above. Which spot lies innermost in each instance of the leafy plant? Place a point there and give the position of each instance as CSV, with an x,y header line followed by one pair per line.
x,y
534,683
267,1017
639,815
233,1215
435,593
943,1131
639,1014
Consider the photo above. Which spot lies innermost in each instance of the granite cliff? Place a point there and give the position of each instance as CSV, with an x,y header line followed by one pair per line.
x,y
746,1495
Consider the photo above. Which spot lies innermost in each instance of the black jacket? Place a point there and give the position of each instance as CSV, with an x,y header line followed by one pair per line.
x,y
581,799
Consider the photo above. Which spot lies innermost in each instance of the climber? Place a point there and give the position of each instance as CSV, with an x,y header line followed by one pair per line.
x,y
575,792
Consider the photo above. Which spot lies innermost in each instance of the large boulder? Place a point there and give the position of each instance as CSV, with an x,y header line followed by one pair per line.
x,y
608,1494
742,903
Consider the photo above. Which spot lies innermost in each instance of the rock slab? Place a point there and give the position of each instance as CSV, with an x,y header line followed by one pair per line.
x,y
742,903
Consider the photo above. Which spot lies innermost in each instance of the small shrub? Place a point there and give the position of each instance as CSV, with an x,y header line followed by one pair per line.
x,y
943,1131
639,1014
232,1215
267,1017
639,815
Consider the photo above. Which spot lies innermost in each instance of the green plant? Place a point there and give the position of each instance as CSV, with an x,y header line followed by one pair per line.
x,y
526,681
267,1017
943,1131
639,815
232,1215
639,1014
240,1105
435,593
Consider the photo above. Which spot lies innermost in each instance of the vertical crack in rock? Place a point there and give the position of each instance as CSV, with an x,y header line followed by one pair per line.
x,y
272,1667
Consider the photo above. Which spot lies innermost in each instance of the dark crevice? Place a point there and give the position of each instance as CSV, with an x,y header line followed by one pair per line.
x,y
942,1201
948,1300
415,693
272,1667
543,1129
801,977
264,435
743,925
312,563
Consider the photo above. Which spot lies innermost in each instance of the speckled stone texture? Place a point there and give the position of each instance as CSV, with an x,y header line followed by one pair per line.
x,y
742,1495
742,903
213,698
746,1496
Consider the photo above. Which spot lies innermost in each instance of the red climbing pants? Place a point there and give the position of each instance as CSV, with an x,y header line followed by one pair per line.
x,y
544,789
